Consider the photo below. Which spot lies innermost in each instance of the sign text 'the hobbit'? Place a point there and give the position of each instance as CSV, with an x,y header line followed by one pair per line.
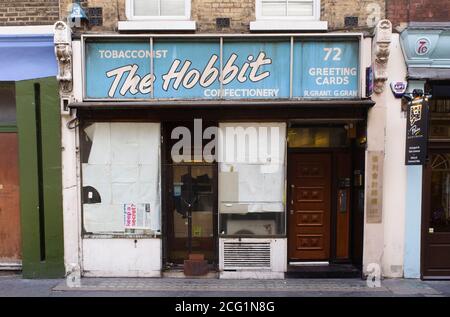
x,y
181,74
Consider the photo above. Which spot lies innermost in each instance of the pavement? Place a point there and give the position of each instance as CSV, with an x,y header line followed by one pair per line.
x,y
13,285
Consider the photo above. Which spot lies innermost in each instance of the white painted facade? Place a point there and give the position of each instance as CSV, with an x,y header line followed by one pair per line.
x,y
122,257
383,243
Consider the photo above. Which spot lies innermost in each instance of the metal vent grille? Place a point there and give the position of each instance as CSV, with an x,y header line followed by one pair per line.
x,y
246,255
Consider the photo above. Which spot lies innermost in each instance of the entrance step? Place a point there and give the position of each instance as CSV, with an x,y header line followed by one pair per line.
x,y
180,274
323,271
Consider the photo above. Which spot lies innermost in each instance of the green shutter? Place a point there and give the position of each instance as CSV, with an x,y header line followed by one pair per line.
x,y
39,128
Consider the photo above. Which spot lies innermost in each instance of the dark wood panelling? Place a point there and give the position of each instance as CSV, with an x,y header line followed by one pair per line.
x,y
310,206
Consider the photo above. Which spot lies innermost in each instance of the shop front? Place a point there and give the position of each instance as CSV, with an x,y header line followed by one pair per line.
x,y
426,49
231,156
30,164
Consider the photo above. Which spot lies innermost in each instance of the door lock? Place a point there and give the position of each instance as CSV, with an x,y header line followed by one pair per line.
x,y
291,211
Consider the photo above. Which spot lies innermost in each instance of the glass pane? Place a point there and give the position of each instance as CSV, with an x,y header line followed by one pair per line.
x,y
120,176
252,195
193,201
317,137
181,198
146,8
439,130
7,103
300,8
172,7
273,8
440,192
202,207
193,192
252,224
440,106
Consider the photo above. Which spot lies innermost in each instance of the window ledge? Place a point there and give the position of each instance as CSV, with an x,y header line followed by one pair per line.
x,y
288,25
157,25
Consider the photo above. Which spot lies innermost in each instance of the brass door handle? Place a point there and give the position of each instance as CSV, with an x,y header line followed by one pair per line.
x,y
292,194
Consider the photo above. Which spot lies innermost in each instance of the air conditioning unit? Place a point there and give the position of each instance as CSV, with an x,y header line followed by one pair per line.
x,y
246,255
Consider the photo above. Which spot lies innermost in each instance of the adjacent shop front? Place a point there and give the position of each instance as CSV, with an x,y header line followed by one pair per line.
x,y
30,163
240,156
426,48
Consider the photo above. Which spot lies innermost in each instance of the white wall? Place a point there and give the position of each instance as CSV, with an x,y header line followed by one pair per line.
x,y
384,242
394,182
96,257
373,233
122,257
71,175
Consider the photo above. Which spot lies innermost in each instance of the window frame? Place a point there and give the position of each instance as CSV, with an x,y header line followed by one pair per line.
x,y
314,17
129,11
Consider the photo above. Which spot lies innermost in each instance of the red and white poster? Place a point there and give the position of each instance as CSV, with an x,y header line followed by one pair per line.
x,y
136,216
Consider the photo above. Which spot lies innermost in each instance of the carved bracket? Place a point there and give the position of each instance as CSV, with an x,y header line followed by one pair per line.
x,y
381,52
63,52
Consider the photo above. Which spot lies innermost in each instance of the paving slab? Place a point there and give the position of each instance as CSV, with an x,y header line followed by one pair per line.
x,y
177,287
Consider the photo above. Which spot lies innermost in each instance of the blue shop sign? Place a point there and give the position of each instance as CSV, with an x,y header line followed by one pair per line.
x,y
229,69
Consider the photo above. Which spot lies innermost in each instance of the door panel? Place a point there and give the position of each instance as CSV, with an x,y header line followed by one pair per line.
x,y
309,216
191,218
436,218
10,238
343,206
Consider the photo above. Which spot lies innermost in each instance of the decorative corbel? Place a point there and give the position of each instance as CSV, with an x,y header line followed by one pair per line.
x,y
63,52
381,44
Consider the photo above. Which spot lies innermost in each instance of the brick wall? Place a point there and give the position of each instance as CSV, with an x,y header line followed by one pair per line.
x,y
28,12
400,11
367,12
241,12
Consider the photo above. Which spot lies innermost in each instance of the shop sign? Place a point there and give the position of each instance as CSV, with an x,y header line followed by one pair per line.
x,y
207,69
399,88
423,46
369,81
374,186
417,131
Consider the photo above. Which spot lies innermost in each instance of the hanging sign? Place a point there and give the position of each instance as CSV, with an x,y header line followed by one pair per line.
x,y
417,131
203,69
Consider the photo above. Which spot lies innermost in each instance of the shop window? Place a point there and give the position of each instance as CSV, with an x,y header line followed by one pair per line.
x,y
121,178
300,9
318,137
162,9
440,117
7,103
440,192
252,179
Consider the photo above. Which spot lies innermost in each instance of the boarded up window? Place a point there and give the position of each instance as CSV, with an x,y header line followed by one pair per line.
x,y
121,179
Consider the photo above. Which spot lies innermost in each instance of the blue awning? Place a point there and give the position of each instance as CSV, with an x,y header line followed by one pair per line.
x,y
24,57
